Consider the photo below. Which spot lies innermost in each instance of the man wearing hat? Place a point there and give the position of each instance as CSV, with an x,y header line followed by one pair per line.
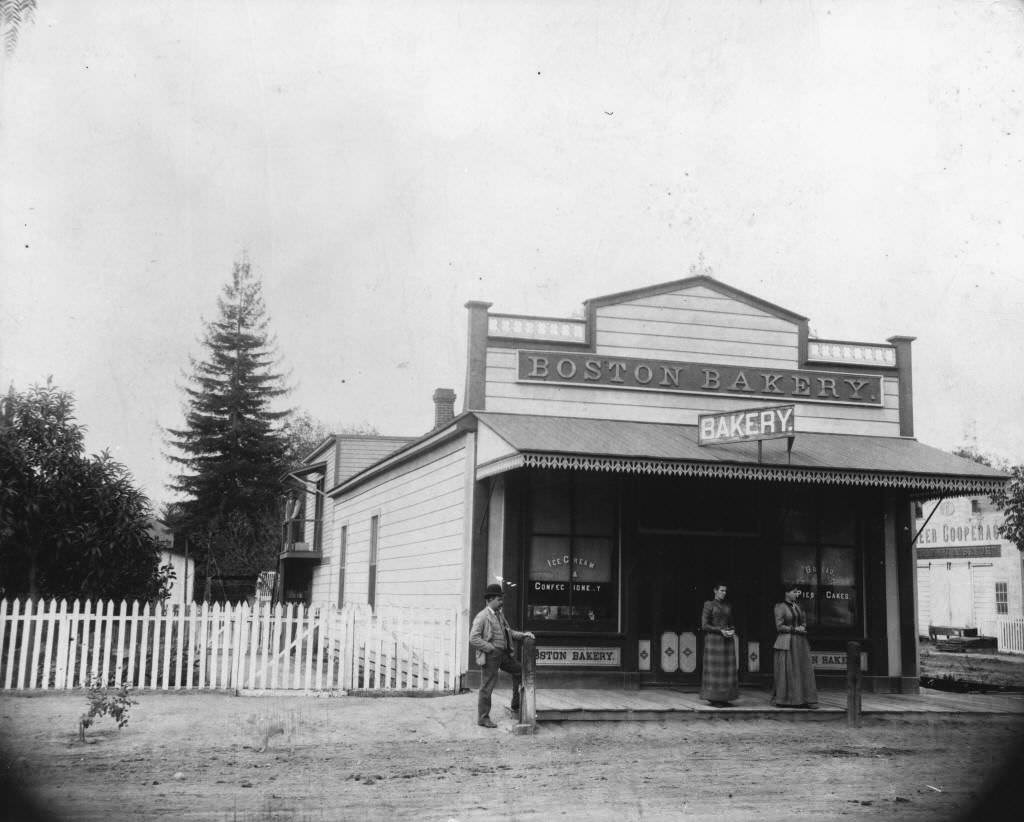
x,y
493,639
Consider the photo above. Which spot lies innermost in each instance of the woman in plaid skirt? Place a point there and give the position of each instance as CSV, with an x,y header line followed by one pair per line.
x,y
719,684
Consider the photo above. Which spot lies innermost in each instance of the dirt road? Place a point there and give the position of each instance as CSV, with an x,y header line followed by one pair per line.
x,y
201,756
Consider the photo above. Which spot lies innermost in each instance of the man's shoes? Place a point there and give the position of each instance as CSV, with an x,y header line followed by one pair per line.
x,y
486,722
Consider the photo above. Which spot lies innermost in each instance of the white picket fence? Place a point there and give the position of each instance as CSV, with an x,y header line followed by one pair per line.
x,y
53,645
1009,634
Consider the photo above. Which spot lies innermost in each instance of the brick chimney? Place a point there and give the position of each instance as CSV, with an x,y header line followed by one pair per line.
x,y
444,406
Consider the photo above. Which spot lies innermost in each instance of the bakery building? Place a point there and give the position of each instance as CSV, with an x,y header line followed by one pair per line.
x,y
612,469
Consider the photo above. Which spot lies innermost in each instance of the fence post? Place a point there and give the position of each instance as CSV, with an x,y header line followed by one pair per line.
x,y
528,689
853,684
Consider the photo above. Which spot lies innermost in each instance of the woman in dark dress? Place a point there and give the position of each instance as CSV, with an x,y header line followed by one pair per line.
x,y
719,684
794,685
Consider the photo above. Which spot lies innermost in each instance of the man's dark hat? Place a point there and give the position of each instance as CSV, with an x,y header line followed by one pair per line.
x,y
494,590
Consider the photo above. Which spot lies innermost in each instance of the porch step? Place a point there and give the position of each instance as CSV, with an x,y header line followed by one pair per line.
x,y
637,706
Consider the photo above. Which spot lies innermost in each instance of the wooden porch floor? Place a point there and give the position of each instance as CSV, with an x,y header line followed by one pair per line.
x,y
563,705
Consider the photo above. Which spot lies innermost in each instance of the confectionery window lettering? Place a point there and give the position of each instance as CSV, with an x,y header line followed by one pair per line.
x,y
571,563
820,557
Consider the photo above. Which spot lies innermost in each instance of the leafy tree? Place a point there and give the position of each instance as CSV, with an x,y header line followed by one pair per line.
x,y
1010,500
12,14
304,432
971,452
71,525
232,447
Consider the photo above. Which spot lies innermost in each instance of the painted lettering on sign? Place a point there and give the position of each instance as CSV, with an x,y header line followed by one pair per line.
x,y
835,661
585,587
962,532
749,424
593,371
601,657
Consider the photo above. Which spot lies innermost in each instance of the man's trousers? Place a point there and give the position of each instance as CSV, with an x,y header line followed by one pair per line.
x,y
498,660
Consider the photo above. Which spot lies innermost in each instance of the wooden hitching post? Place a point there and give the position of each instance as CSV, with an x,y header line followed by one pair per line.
x,y
528,690
853,684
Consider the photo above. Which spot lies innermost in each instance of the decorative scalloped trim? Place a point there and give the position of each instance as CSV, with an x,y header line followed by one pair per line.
x,y
917,483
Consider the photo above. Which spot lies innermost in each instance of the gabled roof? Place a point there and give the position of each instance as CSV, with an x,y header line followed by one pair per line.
x,y
702,281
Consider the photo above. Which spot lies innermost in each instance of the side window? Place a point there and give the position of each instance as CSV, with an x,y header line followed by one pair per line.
x,y
1002,599
318,514
342,559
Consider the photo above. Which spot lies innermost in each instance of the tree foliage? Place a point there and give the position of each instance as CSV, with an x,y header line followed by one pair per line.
x,y
13,14
1010,500
232,447
71,525
304,432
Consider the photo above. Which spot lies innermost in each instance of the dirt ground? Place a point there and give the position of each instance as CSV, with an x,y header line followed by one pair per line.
x,y
971,670
202,756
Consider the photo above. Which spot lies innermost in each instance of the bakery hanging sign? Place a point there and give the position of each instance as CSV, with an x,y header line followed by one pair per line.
x,y
632,373
748,424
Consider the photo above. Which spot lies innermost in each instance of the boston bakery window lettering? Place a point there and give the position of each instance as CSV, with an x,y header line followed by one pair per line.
x,y
571,578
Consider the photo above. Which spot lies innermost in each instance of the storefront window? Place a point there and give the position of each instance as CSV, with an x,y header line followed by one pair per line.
x,y
572,579
820,557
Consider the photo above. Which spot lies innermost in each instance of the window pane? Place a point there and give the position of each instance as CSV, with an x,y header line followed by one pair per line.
x,y
551,509
594,505
592,559
800,566
800,569
799,526
838,527
837,592
550,558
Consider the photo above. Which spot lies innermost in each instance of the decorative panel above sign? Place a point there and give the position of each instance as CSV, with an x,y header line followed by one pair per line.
x,y
631,373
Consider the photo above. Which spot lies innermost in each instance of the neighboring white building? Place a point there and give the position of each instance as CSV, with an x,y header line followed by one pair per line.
x,y
183,584
967,575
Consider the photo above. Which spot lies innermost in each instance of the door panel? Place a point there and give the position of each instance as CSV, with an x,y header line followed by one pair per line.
x,y
676,575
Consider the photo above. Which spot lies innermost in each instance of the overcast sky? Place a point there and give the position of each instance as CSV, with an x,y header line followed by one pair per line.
x,y
382,163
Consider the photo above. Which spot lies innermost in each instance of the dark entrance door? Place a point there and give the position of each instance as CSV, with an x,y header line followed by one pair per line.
x,y
677,573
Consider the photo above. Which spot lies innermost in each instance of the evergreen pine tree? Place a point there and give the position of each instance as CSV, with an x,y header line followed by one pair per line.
x,y
232,447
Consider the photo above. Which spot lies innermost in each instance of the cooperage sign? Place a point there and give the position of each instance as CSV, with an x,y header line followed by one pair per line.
x,y
748,424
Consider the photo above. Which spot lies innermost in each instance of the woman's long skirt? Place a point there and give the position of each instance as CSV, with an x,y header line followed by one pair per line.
x,y
719,682
794,676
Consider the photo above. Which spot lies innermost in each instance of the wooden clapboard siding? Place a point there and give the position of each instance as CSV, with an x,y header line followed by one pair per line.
x,y
639,316
350,454
354,453
421,505
699,324
695,324
698,343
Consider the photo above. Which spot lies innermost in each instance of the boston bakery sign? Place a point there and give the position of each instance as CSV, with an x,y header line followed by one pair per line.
x,y
568,368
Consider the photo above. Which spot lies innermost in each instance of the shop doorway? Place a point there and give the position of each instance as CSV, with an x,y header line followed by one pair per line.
x,y
676,575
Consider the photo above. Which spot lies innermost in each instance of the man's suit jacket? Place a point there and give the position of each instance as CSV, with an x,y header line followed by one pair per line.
x,y
486,626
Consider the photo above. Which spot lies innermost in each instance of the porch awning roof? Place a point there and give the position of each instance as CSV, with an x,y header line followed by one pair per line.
x,y
510,441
